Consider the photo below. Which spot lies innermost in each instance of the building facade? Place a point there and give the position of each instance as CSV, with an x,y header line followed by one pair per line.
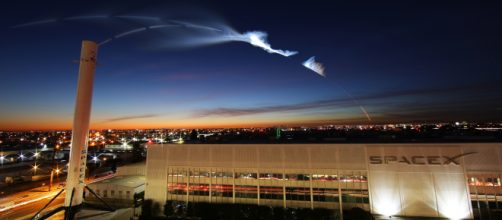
x,y
118,191
457,181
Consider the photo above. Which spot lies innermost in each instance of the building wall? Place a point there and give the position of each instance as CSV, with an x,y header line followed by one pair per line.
x,y
116,195
388,179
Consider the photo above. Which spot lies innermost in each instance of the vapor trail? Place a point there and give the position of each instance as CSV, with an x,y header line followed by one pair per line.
x,y
130,32
354,100
192,25
163,26
365,112
259,39
86,17
35,23
105,41
314,66
136,17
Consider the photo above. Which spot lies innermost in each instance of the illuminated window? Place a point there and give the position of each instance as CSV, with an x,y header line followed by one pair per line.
x,y
325,195
298,193
177,188
271,192
271,176
324,177
246,192
222,175
245,175
300,177
199,190
221,190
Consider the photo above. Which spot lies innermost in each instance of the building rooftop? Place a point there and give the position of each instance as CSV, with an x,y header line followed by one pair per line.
x,y
127,181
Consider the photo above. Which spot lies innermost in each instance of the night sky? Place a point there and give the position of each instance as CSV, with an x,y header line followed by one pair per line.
x,y
401,61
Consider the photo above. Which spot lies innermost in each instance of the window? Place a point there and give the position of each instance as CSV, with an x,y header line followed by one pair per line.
x,y
301,177
176,188
324,177
199,189
112,193
128,194
222,175
246,192
221,190
298,193
325,195
245,175
105,193
271,192
271,176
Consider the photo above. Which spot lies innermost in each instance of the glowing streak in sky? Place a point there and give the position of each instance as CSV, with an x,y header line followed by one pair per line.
x,y
192,25
130,32
85,17
35,23
314,66
365,112
259,39
354,100
163,26
134,17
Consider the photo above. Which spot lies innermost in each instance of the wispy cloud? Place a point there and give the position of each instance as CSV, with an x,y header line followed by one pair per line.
x,y
342,102
131,117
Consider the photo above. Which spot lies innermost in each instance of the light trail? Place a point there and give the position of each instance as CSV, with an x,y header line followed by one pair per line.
x,y
49,195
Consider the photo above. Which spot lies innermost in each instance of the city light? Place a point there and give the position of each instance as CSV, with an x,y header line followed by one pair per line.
x,y
35,168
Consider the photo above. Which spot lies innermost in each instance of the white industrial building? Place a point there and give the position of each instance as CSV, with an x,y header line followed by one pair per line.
x,y
457,181
119,191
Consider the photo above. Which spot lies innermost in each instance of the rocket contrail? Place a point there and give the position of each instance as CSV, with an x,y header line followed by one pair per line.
x,y
35,23
259,39
86,17
130,32
314,66
135,17
355,102
192,25
211,35
163,26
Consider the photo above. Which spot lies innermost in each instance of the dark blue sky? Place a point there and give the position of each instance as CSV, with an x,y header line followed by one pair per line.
x,y
401,61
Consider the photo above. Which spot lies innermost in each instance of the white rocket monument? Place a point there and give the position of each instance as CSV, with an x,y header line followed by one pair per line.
x,y
78,151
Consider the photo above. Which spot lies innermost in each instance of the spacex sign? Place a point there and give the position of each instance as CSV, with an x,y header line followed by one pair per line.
x,y
418,160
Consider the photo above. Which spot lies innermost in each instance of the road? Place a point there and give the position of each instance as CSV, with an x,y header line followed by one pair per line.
x,y
27,211
24,205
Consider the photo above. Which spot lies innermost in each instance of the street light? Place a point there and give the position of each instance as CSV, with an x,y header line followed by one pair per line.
x,y
35,167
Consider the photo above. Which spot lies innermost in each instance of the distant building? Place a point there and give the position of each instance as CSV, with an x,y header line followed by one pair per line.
x,y
118,191
118,147
457,181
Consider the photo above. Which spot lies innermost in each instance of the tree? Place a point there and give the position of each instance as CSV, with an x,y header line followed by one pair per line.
x,y
194,135
137,152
